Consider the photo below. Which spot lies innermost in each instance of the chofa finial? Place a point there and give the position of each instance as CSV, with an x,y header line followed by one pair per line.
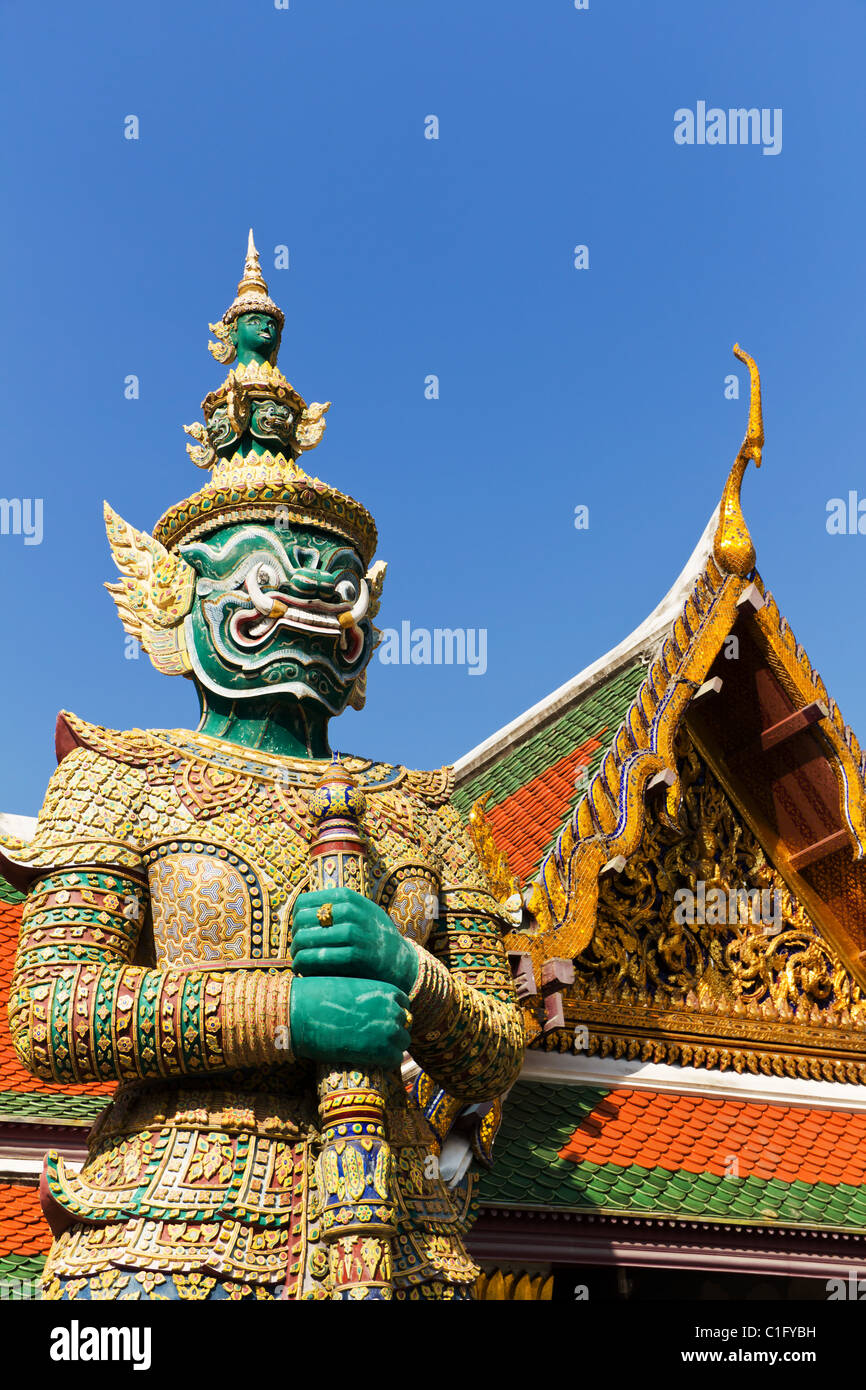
x,y
733,547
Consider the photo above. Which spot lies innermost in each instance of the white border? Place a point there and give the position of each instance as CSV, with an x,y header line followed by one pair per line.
x,y
578,1069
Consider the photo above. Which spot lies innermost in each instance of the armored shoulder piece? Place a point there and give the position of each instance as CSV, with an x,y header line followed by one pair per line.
x,y
132,747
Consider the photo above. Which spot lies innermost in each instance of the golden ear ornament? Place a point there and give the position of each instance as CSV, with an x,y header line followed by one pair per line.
x,y
153,595
375,578
375,582
311,425
203,456
223,349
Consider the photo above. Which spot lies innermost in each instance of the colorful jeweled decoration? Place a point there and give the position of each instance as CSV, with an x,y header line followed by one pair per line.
x,y
175,939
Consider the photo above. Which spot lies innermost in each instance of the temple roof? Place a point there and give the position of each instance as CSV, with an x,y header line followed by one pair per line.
x,y
627,1152
530,771
630,654
562,796
25,1237
710,696
581,802
532,784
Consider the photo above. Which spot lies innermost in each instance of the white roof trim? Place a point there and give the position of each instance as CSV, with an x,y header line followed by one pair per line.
x,y
643,637
21,827
31,1167
578,1069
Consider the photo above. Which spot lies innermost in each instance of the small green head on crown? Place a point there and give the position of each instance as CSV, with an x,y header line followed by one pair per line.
x,y
256,337
252,325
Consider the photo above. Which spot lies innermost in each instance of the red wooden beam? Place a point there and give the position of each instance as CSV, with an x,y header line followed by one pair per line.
x,y
819,850
556,973
665,778
522,974
711,687
750,600
786,728
778,733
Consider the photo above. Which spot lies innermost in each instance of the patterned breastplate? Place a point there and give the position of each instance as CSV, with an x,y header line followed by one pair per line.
x,y
207,905
227,851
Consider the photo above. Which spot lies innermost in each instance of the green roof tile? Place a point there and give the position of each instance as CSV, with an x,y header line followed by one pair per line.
x,y
8,894
38,1105
540,1119
19,1276
604,705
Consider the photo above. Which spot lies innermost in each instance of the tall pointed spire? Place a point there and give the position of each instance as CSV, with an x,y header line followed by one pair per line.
x,y
252,281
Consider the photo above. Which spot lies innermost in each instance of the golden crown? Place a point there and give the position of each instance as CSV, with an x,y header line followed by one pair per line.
x,y
268,486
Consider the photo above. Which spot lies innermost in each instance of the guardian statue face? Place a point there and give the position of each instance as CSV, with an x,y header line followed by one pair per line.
x,y
278,611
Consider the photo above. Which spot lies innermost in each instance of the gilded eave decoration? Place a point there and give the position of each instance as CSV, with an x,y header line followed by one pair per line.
x,y
641,768
753,995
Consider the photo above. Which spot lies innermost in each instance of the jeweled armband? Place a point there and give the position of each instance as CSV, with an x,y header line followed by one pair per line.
x,y
470,1042
80,1011
255,1005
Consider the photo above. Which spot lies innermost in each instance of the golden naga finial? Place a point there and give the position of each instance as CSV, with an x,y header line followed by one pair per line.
x,y
733,548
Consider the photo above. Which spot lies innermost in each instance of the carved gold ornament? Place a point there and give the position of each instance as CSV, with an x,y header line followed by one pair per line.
x,y
745,993
732,545
495,864
154,594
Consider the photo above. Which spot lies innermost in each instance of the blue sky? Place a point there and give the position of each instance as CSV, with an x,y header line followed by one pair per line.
x,y
454,257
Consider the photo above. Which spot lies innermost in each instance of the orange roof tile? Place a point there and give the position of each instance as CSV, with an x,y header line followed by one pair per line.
x,y
703,1134
525,823
23,1228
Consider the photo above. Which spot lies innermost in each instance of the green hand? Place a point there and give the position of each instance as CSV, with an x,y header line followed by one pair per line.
x,y
361,941
349,1023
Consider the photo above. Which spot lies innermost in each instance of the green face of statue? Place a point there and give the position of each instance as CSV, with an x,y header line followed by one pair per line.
x,y
255,337
278,612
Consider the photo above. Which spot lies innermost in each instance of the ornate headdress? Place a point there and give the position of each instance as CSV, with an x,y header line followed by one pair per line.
x,y
156,587
266,487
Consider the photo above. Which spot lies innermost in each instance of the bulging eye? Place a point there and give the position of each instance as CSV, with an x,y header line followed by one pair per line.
x,y
267,576
348,586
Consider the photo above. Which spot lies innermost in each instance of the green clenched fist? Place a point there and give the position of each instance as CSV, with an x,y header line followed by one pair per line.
x,y
359,940
349,1023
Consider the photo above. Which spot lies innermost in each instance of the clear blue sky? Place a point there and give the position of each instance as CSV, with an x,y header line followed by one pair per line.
x,y
411,257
